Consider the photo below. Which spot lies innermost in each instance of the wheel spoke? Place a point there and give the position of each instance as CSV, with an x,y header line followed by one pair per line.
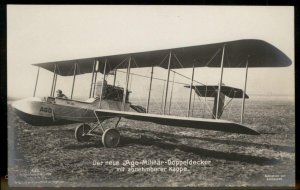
x,y
81,132
111,138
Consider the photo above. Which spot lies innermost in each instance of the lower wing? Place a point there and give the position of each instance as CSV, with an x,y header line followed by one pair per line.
x,y
176,121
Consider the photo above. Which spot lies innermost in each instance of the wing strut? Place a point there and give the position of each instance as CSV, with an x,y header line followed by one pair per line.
x,y
168,78
170,104
220,84
193,103
93,75
100,99
54,73
191,89
74,77
162,96
54,87
245,86
95,79
148,101
36,81
127,81
115,76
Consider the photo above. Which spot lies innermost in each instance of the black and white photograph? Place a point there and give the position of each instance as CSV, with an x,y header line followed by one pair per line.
x,y
150,96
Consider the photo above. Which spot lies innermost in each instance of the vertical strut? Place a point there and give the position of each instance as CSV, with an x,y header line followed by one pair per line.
x,y
162,97
95,78
104,72
168,77
193,103
74,77
54,72
244,93
148,101
204,106
126,86
54,87
191,90
130,81
170,104
115,76
220,84
93,74
36,81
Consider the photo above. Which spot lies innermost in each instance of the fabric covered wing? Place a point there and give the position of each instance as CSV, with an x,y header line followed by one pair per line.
x,y
198,123
258,53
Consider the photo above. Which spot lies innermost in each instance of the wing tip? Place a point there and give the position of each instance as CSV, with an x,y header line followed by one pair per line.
x,y
247,130
253,132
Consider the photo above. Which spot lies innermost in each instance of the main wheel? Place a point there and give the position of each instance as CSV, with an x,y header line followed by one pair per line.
x,y
111,138
81,131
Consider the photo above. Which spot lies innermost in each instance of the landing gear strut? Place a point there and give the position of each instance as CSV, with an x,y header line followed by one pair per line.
x,y
110,137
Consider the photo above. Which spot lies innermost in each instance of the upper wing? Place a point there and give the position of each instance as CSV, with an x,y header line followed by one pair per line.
x,y
259,54
189,122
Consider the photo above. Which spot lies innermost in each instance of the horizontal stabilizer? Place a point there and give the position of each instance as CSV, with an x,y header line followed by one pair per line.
x,y
188,122
212,91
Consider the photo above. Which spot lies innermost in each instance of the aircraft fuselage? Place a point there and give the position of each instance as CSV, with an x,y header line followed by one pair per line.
x,y
55,111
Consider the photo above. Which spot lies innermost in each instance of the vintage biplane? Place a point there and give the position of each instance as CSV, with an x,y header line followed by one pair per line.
x,y
108,101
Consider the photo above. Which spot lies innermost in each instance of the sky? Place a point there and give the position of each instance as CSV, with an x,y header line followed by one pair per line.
x,y
44,33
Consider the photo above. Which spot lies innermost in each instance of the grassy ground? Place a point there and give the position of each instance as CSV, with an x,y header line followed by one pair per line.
x,y
50,156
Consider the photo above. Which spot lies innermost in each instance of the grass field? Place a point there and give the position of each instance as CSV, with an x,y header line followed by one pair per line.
x,y
50,156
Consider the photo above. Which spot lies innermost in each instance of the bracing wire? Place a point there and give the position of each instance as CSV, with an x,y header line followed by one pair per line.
x,y
213,57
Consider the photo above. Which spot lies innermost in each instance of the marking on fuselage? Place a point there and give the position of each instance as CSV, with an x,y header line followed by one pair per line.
x,y
45,109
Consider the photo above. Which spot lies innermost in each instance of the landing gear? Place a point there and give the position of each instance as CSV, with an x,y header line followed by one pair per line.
x,y
111,138
82,132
